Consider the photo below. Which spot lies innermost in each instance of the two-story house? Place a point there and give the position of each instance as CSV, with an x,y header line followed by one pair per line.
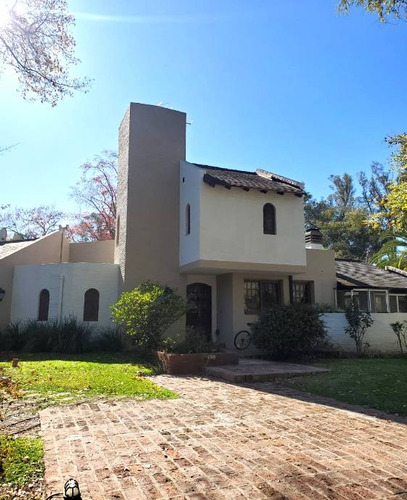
x,y
231,241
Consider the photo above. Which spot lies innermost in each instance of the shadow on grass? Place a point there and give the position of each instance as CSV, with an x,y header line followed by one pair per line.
x,y
127,357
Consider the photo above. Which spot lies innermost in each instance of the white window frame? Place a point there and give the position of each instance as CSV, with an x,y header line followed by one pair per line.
x,y
369,300
397,295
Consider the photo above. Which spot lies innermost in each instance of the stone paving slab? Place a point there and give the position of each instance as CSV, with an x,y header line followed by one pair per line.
x,y
258,370
220,441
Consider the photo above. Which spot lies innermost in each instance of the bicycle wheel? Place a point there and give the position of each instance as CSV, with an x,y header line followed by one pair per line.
x,y
242,340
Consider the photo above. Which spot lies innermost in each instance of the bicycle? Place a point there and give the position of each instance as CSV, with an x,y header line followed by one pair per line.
x,y
243,339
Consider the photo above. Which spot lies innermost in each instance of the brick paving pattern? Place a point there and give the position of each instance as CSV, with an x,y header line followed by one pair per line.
x,y
220,441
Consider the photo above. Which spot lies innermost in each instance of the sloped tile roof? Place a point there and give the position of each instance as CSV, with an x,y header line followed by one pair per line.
x,y
260,180
8,248
357,274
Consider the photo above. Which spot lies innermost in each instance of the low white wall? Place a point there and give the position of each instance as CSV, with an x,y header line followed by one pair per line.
x,y
379,336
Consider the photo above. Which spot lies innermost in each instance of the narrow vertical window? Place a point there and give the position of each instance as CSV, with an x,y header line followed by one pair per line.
x,y
43,307
188,219
269,219
118,230
91,305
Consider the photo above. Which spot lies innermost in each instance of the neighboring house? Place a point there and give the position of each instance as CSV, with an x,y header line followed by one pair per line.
x,y
376,290
231,241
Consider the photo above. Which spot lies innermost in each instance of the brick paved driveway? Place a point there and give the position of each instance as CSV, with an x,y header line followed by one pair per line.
x,y
220,441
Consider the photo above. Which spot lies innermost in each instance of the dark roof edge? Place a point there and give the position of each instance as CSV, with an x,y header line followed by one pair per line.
x,y
258,173
200,165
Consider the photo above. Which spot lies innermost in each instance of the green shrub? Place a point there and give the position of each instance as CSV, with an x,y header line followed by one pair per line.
x,y
358,322
288,329
70,336
400,330
327,308
108,339
192,343
67,335
147,312
13,338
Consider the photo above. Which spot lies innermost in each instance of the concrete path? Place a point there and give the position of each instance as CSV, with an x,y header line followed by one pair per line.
x,y
259,370
220,441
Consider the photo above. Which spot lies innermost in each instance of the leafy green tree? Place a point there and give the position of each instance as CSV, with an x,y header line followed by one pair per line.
x,y
376,187
358,322
393,251
342,216
392,208
383,8
147,312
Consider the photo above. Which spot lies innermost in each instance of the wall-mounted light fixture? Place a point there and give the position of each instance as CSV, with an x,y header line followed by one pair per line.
x,y
2,293
71,490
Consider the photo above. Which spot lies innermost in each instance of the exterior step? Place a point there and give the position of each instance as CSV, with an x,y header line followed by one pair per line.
x,y
255,370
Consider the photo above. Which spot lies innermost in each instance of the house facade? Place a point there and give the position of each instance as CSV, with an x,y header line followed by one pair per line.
x,y
232,242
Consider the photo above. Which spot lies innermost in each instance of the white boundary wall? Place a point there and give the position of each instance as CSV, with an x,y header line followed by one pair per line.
x,y
379,336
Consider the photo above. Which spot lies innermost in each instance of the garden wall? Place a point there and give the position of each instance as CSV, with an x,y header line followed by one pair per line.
x,y
379,336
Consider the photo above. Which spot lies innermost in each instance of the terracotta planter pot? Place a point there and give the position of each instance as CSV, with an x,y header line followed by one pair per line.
x,y
177,364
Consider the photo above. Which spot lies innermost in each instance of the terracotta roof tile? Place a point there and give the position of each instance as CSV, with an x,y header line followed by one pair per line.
x,y
261,180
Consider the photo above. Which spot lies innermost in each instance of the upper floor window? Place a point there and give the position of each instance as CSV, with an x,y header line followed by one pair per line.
x,y
43,307
91,305
269,219
188,219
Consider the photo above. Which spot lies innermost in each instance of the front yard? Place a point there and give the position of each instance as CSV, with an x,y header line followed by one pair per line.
x,y
39,381
376,383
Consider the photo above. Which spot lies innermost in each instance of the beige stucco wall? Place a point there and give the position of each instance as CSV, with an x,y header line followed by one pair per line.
x,y
320,270
151,146
50,248
224,283
92,251
230,293
190,189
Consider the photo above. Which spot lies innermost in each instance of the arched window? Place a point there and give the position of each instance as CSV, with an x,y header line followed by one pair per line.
x,y
188,219
91,305
43,307
269,219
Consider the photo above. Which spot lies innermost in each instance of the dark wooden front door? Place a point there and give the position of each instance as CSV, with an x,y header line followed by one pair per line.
x,y
199,316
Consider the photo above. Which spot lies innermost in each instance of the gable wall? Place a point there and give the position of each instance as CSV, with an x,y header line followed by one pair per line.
x,y
92,251
50,248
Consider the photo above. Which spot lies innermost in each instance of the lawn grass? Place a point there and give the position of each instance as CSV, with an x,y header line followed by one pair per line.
x,y
376,383
20,460
71,378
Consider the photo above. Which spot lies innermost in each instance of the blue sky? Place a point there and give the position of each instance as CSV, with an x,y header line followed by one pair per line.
x,y
284,85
